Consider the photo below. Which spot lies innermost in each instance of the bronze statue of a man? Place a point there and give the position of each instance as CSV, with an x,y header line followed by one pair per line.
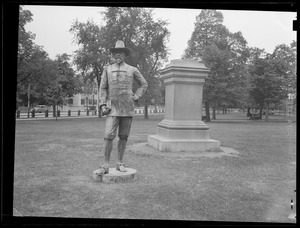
x,y
117,102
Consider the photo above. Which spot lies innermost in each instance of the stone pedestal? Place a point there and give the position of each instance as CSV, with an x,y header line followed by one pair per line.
x,y
114,176
182,128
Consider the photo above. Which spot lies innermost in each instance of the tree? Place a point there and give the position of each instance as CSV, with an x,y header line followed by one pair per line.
x,y
92,55
25,49
69,83
286,56
237,80
147,40
268,82
208,27
33,75
63,83
203,45
25,44
215,87
224,53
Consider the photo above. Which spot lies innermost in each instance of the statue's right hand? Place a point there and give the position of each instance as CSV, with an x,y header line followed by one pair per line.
x,y
108,110
105,110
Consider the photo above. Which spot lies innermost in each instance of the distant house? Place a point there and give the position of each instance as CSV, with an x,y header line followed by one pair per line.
x,y
291,104
82,101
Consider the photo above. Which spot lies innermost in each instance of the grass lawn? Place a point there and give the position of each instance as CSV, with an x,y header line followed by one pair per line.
x,y
54,161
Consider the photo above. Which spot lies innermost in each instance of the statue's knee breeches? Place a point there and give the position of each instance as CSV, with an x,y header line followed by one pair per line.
x,y
123,137
109,137
124,127
111,126
113,123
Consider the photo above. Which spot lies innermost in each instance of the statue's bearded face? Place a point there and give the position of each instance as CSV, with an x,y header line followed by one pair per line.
x,y
119,56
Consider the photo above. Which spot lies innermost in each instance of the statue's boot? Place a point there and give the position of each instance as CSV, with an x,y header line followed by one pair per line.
x,y
121,150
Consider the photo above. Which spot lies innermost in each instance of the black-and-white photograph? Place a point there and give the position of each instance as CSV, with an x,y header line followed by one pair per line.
x,y
162,114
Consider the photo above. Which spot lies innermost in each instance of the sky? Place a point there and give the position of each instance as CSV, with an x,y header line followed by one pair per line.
x,y
261,29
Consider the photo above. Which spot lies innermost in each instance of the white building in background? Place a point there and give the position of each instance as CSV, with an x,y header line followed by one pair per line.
x,y
81,102
290,103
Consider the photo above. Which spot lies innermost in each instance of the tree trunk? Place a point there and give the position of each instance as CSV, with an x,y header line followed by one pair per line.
x,y
54,110
223,109
28,94
146,112
207,112
248,112
267,112
98,109
260,111
285,109
214,114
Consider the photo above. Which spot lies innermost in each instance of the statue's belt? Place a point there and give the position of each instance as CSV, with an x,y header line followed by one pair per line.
x,y
118,71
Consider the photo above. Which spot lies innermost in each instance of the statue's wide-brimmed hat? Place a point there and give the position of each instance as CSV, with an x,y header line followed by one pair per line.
x,y
120,46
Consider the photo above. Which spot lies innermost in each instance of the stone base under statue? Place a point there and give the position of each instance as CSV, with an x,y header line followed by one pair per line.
x,y
166,144
114,176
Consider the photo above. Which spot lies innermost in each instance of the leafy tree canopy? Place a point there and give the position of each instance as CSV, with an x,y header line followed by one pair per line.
x,y
36,72
136,27
225,53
